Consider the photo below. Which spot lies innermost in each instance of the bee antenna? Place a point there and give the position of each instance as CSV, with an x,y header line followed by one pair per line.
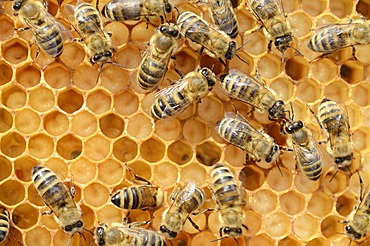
x,y
117,64
15,236
170,242
278,166
296,50
243,45
349,170
241,59
218,239
237,243
99,72
334,175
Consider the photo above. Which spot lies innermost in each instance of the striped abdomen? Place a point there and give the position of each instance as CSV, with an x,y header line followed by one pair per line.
x,y
309,162
224,17
49,38
87,19
332,38
4,224
121,10
152,70
332,117
141,237
234,131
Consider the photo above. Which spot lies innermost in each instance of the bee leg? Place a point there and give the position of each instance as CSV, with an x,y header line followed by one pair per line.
x,y
317,118
22,29
354,52
246,227
147,22
47,213
137,177
36,55
193,224
269,46
15,236
139,224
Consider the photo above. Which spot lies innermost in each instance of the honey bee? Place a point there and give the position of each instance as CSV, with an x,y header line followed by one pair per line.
x,y
155,61
240,86
337,36
122,10
222,14
184,202
230,201
217,42
172,100
335,121
117,234
4,224
48,33
58,198
237,131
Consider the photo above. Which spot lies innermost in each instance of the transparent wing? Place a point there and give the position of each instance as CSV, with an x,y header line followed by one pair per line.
x,y
323,33
246,126
223,13
256,80
187,192
327,160
69,12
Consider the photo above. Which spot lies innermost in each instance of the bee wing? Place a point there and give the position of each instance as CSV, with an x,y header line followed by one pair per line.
x,y
248,127
69,12
186,192
327,160
256,79
220,16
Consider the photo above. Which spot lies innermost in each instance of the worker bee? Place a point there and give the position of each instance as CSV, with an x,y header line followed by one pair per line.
x,y
155,61
229,198
337,36
172,100
58,198
47,31
127,234
184,202
122,10
217,42
4,224
236,130
335,121
240,86
222,14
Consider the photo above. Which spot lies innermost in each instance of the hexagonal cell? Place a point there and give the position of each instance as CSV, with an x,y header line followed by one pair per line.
x,y
120,33
279,181
114,78
313,8
73,54
41,99
235,156
320,204
296,67
255,43
125,149
25,216
180,152
111,125
28,76
200,238
69,147
269,66
264,202
361,139
141,169
110,172
99,101
6,120
23,168
300,24
12,144
97,148
292,202
90,195
27,121
129,51
195,130
140,34
308,90
56,123
152,150
290,5
126,103
207,61
12,192
345,204
41,146
40,235
70,101
337,91
243,62
5,167
199,219
331,226
140,126
324,70
84,124
109,213
304,185
6,73
352,71
318,242
361,54
186,60
15,51
13,97
251,177
165,174
354,116
7,27
277,225
261,239
167,129
33,196
210,109
208,153
194,171
341,8
57,76
85,77
283,87
289,241
306,227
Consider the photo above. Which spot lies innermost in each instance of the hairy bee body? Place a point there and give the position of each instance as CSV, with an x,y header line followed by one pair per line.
x,y
174,99
237,131
247,89
58,198
122,10
184,202
4,224
155,61
222,14
217,42
229,198
338,36
336,123
118,234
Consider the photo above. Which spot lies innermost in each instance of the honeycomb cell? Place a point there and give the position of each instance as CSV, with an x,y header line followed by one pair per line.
x,y
33,196
111,125
142,169
126,103
7,27
85,77
253,222
318,242
167,129
40,235
336,184
23,168
354,116
27,121
269,66
255,43
245,19
264,202
290,5
305,227
12,144
114,78
6,73
13,97
308,90
109,214
195,172
110,172
199,220
277,225
129,51
235,156
165,174
56,123
97,148
244,62
345,204
352,71
69,147
84,124
337,91
283,87
195,130
320,204
99,102
41,99
361,54
279,181
210,109
186,60
292,202
73,54
180,152
5,167
261,239
300,24
28,76
140,126
304,185
96,195
41,146
208,153
6,120
15,51
140,34
12,192
341,8
61,238
361,139
125,149
359,94
313,8
331,226
289,241
120,33
70,101
25,216
296,67
251,177
152,150
324,70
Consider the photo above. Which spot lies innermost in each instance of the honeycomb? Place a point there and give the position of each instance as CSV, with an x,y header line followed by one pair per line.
x,y
52,112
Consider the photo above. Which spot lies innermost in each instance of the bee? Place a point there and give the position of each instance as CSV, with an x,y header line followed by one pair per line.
x,y
4,224
172,100
117,234
155,61
252,91
337,36
229,198
237,131
58,198
222,14
184,202
122,10
217,42
48,33
335,121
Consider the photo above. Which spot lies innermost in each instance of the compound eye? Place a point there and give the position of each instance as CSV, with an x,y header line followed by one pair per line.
x,y
79,224
17,6
162,228
205,72
163,29
175,33
68,228
168,7
238,230
300,124
173,234
107,54
100,231
96,58
227,230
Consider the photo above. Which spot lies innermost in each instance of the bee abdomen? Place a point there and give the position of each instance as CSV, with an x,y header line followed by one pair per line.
x,y
151,74
328,41
121,10
168,105
233,132
87,18
50,40
4,225
312,169
192,26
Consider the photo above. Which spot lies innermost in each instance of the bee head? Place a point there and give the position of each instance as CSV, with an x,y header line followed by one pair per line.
x,y
293,127
283,42
344,161
276,112
209,75
167,232
101,57
232,232
273,153
74,227
99,235
169,30
17,5
351,233
231,51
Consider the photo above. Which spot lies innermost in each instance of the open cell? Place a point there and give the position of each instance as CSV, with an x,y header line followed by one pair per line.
x,y
6,73
40,235
313,7
125,149
290,5
12,144
126,103
56,123
255,43
140,126
337,91
363,7
304,185
324,70
13,97
129,51
292,202
140,34
245,19
210,109
152,150
25,216
235,156
69,147
277,225
180,152
331,226
111,125
99,101
84,124
341,8
167,129
194,171
320,204
5,167
355,116
186,60
34,197
352,71
244,62
97,148
70,101
195,130
57,76
15,51
165,174
41,99
308,90
283,87
92,199
120,33
23,168
109,214
6,120
279,181
110,172
27,121
261,239
12,192
300,24
28,76
208,153
85,77
7,27
41,146
264,202
345,204
291,241
269,66
305,227
296,68
114,78
361,53
141,169
361,139
73,54
251,177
